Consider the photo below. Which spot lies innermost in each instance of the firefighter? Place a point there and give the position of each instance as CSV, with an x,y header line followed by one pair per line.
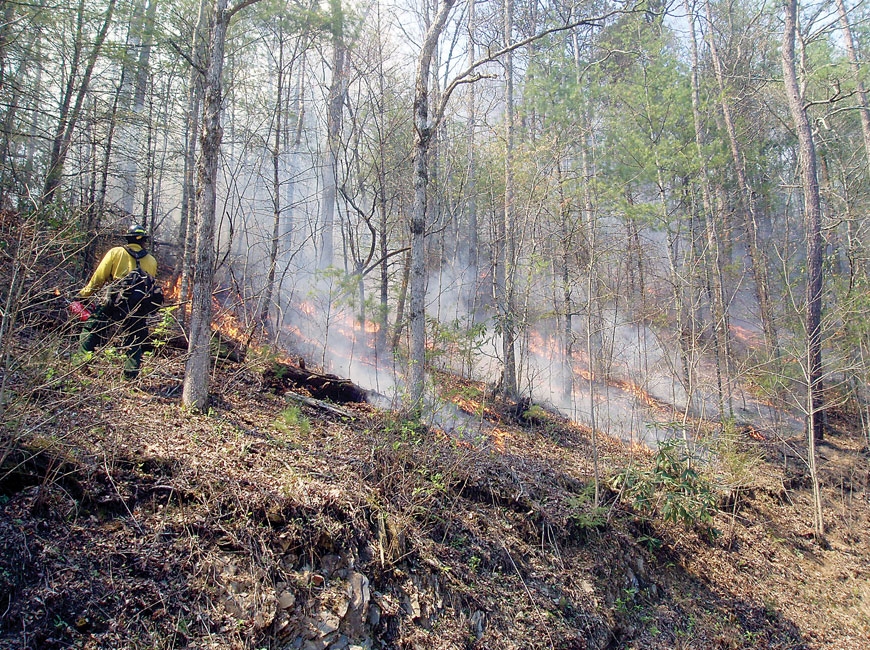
x,y
116,264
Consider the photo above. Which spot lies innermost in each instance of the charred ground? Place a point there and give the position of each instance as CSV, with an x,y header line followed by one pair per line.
x,y
128,522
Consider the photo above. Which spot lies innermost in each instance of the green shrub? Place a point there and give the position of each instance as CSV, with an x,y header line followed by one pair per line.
x,y
672,487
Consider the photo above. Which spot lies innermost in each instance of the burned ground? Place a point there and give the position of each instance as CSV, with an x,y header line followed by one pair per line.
x,y
128,522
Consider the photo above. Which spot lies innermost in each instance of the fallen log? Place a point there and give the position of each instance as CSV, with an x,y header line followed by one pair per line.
x,y
319,404
281,377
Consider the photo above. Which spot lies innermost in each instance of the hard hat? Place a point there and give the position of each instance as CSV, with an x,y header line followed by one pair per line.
x,y
136,232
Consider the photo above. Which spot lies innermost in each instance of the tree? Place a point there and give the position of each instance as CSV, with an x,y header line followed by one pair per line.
x,y
813,220
133,87
505,257
335,105
852,52
748,201
187,219
423,132
71,112
197,368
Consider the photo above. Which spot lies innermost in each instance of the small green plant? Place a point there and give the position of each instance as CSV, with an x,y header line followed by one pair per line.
x,y
406,431
583,512
474,563
457,542
672,487
651,543
293,419
163,328
535,412
625,604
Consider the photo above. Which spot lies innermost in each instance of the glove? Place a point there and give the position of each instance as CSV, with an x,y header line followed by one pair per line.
x,y
78,309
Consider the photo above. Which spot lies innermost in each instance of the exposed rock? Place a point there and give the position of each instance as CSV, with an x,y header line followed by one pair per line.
x,y
374,617
286,600
358,604
477,624
328,623
411,603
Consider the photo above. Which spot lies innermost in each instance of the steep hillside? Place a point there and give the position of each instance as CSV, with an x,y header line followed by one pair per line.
x,y
127,522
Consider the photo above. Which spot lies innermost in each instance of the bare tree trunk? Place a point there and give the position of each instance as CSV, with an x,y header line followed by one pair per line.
x,y
196,372
134,82
506,242
852,52
563,269
8,10
187,225
68,117
33,128
471,171
383,315
712,267
95,211
6,174
422,139
266,304
750,222
335,106
399,323
813,213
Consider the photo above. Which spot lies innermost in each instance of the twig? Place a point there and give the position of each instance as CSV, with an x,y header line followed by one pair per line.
x,y
528,592
118,492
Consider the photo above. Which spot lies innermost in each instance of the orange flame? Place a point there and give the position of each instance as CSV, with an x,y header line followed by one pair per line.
x,y
172,290
227,323
637,391
499,438
745,335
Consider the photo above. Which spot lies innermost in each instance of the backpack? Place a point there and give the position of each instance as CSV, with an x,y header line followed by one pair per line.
x,y
137,293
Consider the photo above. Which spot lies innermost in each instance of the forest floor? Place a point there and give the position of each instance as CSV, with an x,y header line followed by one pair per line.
x,y
127,521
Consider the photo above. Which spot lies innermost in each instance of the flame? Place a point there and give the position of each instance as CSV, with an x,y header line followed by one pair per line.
x,y
637,391
371,327
228,324
499,438
588,375
745,335
172,290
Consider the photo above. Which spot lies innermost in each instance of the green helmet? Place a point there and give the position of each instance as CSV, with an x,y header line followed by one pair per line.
x,y
136,233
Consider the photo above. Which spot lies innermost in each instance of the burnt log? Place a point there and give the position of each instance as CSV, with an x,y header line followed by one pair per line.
x,y
281,377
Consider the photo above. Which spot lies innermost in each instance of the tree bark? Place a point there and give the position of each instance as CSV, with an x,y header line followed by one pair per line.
x,y
422,139
335,106
712,267
757,259
187,224
813,220
196,372
278,121
506,241
134,86
813,217
472,275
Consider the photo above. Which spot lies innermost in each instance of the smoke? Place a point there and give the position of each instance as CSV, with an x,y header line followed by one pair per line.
x,y
627,378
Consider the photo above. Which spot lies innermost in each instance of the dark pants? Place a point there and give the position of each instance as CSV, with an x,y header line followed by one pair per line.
x,y
132,329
